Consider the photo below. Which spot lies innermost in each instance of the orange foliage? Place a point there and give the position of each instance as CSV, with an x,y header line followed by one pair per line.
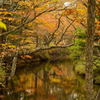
x,y
26,56
69,12
48,22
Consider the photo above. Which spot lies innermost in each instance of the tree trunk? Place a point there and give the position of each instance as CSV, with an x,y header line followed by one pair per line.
x,y
13,69
89,49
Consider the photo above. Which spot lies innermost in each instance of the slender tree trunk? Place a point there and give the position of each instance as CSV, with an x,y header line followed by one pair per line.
x,y
13,69
89,49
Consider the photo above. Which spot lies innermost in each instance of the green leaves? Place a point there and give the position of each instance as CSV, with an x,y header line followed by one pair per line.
x,y
81,33
3,25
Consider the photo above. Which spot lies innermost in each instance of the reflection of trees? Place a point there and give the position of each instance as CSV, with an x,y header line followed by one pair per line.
x,y
46,82
35,84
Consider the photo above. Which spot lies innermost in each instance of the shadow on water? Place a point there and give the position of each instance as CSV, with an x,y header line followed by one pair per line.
x,y
45,81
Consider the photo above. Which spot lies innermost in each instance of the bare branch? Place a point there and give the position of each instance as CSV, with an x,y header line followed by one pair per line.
x,y
38,50
65,32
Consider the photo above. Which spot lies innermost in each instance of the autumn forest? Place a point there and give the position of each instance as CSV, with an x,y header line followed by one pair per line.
x,y
49,49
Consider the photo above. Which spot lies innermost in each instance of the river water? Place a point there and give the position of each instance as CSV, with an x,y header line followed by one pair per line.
x,y
46,81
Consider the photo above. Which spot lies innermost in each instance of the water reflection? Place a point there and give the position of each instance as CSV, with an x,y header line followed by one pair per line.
x,y
47,81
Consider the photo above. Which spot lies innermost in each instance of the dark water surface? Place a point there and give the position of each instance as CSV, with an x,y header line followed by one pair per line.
x,y
46,81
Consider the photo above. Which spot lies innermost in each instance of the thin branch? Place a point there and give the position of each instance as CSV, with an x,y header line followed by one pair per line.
x,y
30,20
65,32
52,36
38,50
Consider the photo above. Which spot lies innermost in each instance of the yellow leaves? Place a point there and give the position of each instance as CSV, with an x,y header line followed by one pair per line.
x,y
7,18
3,25
70,78
8,48
30,24
55,80
42,8
13,37
8,45
12,46
26,3
5,13
81,11
2,9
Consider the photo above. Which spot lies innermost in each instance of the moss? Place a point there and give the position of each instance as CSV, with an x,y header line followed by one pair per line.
x,y
80,68
97,79
2,74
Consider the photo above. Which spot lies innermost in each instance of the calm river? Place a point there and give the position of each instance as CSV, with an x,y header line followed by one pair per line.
x,y
46,81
